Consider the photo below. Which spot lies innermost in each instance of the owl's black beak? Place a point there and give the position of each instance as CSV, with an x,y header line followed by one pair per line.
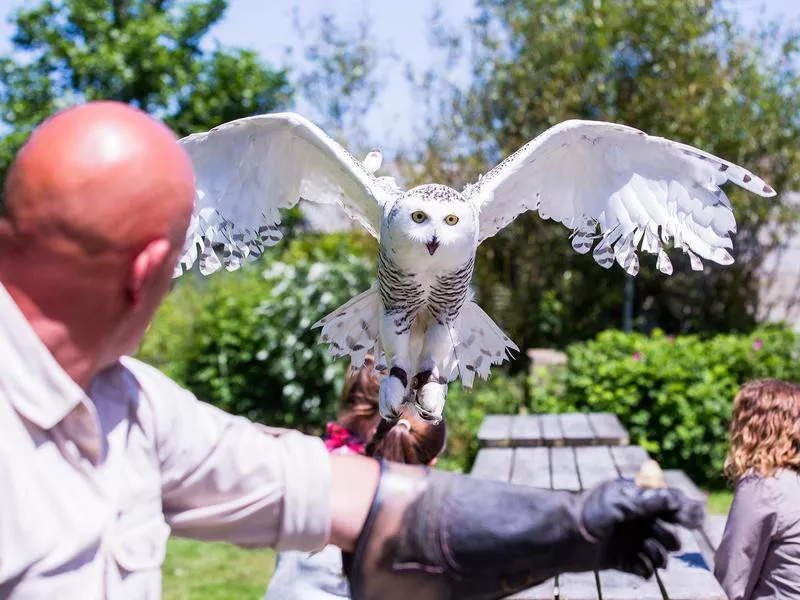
x,y
432,245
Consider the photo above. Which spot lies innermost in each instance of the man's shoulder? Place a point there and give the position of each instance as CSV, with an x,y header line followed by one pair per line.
x,y
149,379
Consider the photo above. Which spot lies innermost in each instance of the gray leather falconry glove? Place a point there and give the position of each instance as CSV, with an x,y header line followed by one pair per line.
x,y
437,535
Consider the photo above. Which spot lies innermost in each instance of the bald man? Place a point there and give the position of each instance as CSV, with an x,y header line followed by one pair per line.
x,y
102,457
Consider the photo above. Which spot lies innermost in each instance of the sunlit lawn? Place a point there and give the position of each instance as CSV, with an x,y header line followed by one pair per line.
x,y
719,502
214,571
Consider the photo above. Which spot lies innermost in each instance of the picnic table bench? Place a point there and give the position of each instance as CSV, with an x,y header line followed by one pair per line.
x,y
570,429
559,462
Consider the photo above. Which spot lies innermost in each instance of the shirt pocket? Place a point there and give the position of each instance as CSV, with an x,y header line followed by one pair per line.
x,y
142,547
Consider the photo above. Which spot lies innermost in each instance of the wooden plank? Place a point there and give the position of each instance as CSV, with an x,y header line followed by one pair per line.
x,y
678,479
576,428
578,586
713,529
616,585
493,463
595,465
710,537
495,431
551,430
687,576
608,430
563,470
543,591
705,549
531,466
526,430
629,459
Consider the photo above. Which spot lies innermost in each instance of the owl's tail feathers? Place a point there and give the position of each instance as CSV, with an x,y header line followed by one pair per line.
x,y
479,344
352,329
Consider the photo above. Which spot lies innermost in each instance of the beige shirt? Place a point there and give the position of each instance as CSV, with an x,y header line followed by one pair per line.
x,y
91,485
759,555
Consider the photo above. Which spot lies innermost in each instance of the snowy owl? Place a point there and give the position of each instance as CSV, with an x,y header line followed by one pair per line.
x,y
615,188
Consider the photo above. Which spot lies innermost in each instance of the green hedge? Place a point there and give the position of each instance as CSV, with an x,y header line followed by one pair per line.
x,y
674,394
243,340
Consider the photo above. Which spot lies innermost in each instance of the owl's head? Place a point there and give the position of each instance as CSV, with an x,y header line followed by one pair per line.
x,y
433,221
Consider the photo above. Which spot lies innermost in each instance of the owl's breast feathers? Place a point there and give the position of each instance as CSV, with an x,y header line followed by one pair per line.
x,y
405,291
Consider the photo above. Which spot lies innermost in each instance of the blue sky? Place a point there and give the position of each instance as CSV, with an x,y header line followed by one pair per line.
x,y
266,25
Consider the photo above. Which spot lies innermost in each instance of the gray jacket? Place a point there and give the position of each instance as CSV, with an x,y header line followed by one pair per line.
x,y
309,576
759,555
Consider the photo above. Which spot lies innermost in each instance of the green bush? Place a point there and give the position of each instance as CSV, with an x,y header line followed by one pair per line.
x,y
674,394
243,340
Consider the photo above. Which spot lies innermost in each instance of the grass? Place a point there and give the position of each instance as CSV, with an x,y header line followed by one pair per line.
x,y
719,503
215,571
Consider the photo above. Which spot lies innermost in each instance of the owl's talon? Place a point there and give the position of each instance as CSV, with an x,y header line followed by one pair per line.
x,y
400,374
390,395
422,378
430,399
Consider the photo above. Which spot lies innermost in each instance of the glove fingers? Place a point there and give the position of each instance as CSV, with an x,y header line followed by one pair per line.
x,y
666,536
672,506
642,566
656,553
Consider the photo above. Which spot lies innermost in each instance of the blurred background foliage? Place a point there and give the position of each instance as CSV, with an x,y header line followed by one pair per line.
x,y
672,393
684,69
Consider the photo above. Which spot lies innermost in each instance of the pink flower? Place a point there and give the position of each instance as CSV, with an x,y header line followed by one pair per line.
x,y
637,356
671,339
758,344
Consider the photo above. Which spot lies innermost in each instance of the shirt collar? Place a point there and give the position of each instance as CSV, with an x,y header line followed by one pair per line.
x,y
30,377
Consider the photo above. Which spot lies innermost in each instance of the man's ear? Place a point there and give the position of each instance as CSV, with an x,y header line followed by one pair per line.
x,y
145,267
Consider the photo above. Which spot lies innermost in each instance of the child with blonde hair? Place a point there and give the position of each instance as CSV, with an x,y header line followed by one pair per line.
x,y
759,555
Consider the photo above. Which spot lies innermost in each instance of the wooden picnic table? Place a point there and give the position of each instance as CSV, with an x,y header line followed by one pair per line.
x,y
688,575
569,429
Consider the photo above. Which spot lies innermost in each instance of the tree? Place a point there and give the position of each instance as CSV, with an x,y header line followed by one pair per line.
x,y
683,69
144,52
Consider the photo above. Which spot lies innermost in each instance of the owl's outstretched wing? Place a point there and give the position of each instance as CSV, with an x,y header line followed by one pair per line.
x,y
637,188
248,169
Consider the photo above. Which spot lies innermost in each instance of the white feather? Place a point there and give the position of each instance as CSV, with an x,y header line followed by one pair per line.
x,y
479,344
629,182
352,329
249,169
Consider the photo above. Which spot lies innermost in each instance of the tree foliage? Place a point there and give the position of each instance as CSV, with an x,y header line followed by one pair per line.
x,y
682,69
148,53
340,79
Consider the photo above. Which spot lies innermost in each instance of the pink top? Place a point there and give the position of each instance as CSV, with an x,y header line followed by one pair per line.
x,y
91,485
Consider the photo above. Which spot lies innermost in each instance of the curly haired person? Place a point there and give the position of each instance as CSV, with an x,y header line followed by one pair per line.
x,y
759,556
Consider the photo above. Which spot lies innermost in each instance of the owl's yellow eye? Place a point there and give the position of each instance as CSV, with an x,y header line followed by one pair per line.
x,y
451,219
418,216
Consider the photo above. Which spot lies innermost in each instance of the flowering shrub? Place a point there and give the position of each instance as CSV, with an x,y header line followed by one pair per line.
x,y
674,394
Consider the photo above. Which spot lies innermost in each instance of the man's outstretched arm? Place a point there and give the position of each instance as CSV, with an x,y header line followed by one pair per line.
x,y
354,481
435,535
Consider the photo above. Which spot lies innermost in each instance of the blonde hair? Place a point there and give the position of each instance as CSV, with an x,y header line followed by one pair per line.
x,y
765,429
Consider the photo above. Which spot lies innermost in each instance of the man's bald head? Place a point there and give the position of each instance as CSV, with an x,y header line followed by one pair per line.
x,y
96,206
99,176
